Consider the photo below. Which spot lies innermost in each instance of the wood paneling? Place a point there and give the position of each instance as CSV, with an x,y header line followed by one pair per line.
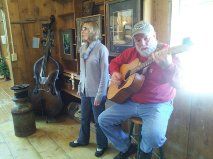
x,y
19,67
190,127
200,144
23,34
161,11
178,129
148,11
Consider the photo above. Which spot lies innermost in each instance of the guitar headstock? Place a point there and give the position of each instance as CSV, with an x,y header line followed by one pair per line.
x,y
186,45
187,41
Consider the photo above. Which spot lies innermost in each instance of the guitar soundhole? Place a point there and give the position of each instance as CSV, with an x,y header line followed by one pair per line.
x,y
122,84
127,75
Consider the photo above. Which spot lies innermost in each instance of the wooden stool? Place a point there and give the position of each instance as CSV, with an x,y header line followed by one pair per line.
x,y
134,122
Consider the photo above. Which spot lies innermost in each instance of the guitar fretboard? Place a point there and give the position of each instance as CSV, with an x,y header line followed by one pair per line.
x,y
173,50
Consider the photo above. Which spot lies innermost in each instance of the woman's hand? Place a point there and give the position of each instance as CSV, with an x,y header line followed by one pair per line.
x,y
97,102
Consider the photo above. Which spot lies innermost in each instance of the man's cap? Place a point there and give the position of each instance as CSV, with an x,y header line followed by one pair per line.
x,y
143,27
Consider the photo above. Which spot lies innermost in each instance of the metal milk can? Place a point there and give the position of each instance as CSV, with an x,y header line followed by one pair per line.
x,y
23,117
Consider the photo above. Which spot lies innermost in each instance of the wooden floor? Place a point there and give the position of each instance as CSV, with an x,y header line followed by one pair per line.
x,y
50,140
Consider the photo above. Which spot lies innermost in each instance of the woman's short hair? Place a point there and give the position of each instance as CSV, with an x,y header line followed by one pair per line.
x,y
94,31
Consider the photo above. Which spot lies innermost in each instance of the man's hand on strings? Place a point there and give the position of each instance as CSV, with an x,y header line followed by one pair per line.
x,y
163,59
116,78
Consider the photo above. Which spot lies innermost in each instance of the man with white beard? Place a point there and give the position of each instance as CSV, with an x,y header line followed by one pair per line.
x,y
152,103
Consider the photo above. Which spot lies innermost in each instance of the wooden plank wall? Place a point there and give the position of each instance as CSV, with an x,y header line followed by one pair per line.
x,y
200,143
20,10
161,11
178,129
191,126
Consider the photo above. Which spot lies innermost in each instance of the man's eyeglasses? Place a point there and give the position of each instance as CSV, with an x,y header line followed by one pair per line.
x,y
84,28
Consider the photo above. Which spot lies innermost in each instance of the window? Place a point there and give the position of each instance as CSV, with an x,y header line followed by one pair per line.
x,y
192,18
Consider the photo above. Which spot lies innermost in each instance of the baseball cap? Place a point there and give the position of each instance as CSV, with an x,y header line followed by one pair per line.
x,y
143,27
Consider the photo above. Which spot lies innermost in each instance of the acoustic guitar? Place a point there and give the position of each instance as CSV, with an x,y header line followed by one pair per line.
x,y
132,80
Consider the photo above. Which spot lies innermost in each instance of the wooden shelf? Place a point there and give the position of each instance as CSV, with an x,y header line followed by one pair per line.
x,y
71,92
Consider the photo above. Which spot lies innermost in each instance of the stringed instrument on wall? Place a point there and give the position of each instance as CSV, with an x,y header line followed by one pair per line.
x,y
132,81
45,97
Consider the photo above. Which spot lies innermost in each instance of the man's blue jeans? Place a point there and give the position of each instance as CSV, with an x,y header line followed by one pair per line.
x,y
87,109
155,120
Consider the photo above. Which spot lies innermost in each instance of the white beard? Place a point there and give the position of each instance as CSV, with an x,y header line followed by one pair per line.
x,y
151,48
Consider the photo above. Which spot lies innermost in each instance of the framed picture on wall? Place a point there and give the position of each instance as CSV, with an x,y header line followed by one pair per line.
x,y
121,15
80,21
66,44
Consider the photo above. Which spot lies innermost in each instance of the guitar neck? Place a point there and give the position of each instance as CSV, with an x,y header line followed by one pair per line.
x,y
173,50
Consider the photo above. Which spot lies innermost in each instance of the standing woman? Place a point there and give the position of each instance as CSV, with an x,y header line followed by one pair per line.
x,y
94,77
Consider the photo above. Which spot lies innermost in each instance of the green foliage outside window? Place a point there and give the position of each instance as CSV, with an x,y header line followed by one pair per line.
x,y
4,70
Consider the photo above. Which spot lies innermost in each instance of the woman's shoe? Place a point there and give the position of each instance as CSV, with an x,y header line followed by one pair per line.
x,y
76,144
100,151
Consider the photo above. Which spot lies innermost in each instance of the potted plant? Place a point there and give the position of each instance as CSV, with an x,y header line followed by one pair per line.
x,y
4,70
